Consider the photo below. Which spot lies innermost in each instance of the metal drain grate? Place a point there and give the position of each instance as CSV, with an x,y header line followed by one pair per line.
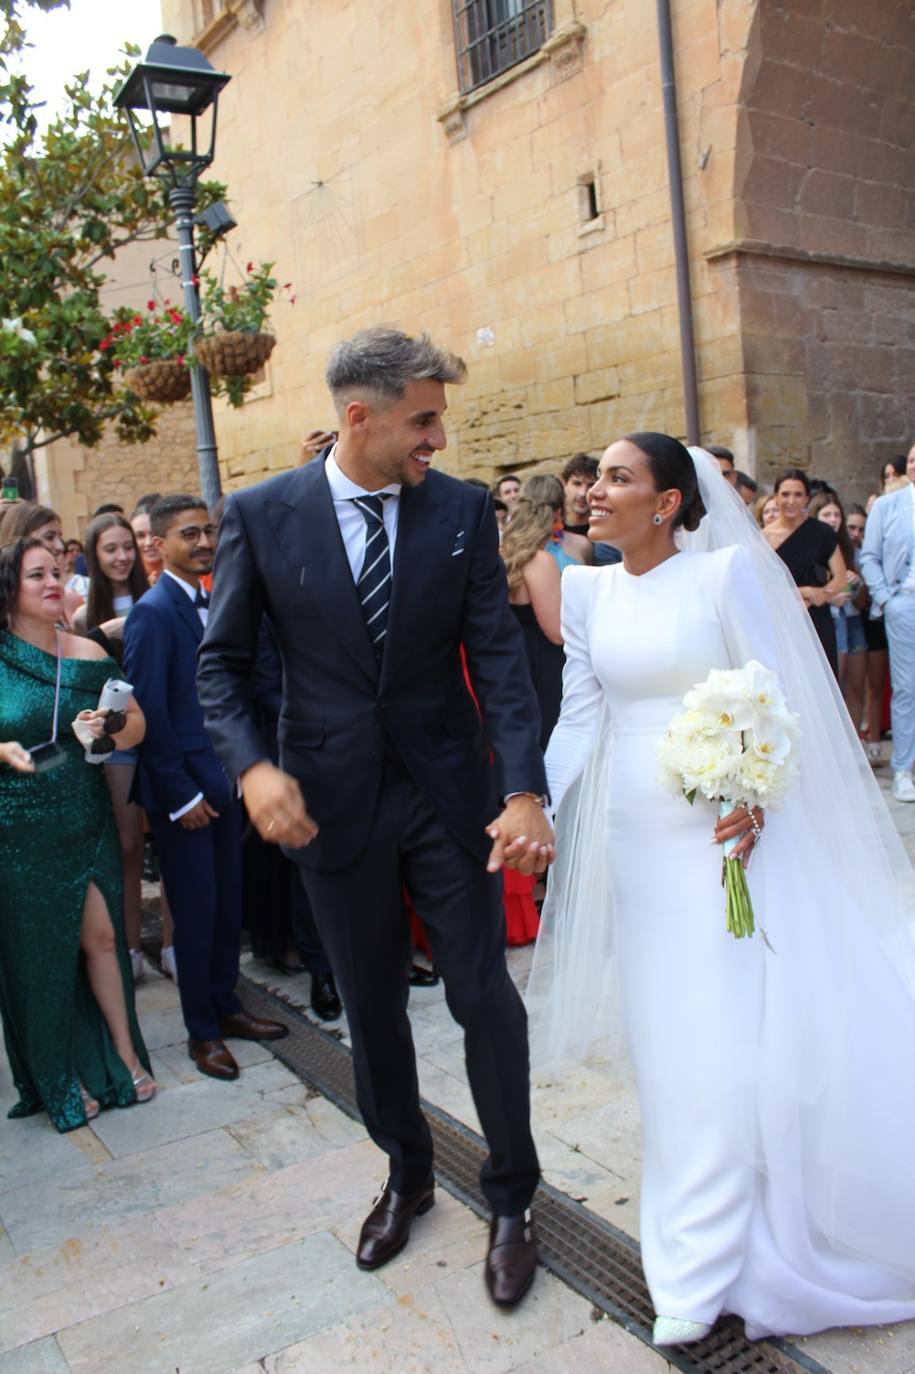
x,y
591,1256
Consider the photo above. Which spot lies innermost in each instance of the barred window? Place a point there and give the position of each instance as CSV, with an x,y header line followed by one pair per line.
x,y
493,35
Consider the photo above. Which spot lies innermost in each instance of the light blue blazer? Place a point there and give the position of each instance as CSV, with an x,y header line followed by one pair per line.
x,y
888,539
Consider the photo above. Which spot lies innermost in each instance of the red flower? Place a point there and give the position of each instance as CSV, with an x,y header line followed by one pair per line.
x,y
292,300
181,357
117,362
175,316
137,319
144,360
150,305
195,280
250,267
286,285
104,345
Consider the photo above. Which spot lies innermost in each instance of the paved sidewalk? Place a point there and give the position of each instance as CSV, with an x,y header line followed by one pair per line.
x,y
212,1231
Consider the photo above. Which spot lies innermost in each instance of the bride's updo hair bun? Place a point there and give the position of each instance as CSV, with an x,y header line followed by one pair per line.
x,y
671,467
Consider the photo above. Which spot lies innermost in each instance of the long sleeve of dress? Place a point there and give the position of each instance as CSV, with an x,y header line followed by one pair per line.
x,y
745,618
582,695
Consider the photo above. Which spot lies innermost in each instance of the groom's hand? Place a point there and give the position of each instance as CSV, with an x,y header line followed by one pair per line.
x,y
276,806
522,837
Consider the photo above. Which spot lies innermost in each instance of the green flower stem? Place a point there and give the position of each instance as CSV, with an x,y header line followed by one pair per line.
x,y
740,922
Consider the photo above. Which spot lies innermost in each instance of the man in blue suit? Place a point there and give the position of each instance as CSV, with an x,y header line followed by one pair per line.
x,y
194,816
888,568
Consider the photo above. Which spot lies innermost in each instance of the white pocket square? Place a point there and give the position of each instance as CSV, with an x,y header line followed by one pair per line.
x,y
458,544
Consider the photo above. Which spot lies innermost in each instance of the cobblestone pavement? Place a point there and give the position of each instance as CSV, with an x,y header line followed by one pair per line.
x,y
212,1231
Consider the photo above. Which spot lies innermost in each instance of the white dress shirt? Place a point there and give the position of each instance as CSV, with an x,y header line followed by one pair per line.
x,y
350,518
203,612
352,521
191,592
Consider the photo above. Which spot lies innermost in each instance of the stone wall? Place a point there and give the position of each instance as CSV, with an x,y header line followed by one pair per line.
x,y
75,481
352,164
826,213
356,166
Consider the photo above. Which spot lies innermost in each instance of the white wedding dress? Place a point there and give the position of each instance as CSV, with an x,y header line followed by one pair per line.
x,y
776,1082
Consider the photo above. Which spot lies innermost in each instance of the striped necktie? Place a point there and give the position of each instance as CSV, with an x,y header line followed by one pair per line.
x,y
374,584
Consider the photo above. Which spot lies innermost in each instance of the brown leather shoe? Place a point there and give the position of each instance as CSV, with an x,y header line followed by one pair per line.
x,y
241,1025
212,1057
511,1261
386,1229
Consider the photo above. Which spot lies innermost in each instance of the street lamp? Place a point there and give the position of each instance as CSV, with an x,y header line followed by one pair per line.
x,y
175,80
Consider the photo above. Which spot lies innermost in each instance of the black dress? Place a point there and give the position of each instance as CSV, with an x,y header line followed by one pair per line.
x,y
546,661
806,553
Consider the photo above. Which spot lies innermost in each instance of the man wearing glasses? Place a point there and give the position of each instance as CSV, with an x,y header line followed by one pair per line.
x,y
194,816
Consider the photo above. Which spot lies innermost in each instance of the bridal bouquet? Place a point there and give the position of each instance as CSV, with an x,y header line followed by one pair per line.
x,y
733,743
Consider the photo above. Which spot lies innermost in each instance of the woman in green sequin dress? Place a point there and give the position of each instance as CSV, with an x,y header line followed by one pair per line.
x,y
66,991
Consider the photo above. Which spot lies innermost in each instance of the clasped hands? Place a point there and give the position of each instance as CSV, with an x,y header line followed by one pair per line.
x,y
522,837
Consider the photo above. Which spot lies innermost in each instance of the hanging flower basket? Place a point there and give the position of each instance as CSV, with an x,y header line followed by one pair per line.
x,y
163,380
234,353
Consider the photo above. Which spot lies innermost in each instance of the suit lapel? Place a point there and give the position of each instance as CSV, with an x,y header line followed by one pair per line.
x,y
426,524
183,605
305,525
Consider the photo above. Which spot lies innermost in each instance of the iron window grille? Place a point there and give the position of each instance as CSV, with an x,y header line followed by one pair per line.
x,y
493,35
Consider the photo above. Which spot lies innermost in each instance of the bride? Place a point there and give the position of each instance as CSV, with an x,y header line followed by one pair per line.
x,y
776,1075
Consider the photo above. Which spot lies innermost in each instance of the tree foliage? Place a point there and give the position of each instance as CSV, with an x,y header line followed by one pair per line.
x,y
13,39
70,198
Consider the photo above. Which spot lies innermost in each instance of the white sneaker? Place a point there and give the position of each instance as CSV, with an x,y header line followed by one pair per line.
x,y
678,1331
137,966
903,787
167,960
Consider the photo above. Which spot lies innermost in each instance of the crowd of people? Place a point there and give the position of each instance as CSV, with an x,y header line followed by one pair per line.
x,y
544,523
487,641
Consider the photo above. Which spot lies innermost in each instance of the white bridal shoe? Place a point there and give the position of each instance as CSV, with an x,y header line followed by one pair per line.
x,y
678,1331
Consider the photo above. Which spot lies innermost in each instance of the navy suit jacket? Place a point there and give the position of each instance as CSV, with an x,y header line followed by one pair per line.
x,y
161,637
281,553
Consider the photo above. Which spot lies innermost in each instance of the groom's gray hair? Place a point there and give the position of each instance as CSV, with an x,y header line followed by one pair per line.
x,y
383,360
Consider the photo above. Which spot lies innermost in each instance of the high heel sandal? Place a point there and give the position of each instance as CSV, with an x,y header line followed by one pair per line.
x,y
90,1106
143,1084
678,1331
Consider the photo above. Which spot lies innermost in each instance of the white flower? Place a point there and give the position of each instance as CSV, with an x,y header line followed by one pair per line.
x,y
724,696
15,326
760,783
734,739
770,741
763,689
699,762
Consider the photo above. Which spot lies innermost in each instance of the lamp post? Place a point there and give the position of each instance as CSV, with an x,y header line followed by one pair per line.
x,y
175,80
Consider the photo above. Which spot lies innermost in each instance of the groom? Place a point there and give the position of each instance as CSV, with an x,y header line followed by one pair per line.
x,y
375,570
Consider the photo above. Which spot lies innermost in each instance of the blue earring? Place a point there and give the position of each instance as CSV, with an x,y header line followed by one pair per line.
x,y
657,520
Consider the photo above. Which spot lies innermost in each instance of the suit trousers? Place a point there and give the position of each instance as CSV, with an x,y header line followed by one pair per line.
x,y
202,874
305,935
366,932
899,615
